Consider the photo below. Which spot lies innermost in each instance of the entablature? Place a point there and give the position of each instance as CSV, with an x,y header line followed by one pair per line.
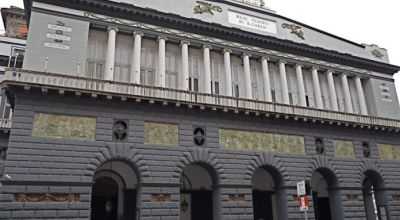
x,y
115,13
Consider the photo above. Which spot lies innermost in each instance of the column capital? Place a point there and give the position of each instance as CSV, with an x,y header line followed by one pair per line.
x,y
162,38
315,68
183,42
265,58
226,50
207,46
299,65
246,55
112,28
282,62
138,33
330,71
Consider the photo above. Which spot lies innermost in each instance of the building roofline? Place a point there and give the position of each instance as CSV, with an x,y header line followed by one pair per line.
x,y
147,15
11,10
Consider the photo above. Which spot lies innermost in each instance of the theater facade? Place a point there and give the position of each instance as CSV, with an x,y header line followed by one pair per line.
x,y
196,110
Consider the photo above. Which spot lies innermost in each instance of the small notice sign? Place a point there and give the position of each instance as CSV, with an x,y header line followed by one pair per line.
x,y
301,188
303,203
252,22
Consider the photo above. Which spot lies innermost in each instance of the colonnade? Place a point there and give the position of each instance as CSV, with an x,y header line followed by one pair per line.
x,y
227,53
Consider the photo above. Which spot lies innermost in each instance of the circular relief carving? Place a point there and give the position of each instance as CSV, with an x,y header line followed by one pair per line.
x,y
120,131
366,149
319,146
199,136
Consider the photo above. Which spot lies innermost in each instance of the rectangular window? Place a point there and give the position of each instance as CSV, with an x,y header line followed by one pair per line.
x,y
307,101
254,82
235,80
291,98
194,73
96,56
273,94
171,73
215,76
147,67
123,59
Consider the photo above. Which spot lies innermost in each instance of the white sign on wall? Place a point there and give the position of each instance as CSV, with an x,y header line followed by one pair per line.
x,y
252,22
59,28
301,188
56,46
58,37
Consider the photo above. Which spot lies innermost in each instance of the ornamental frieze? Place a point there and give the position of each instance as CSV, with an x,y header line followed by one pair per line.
x,y
264,141
47,198
64,126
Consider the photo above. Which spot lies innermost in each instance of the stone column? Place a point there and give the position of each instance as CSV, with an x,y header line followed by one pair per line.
x,y
361,96
266,79
317,88
346,93
228,72
284,85
110,59
185,64
207,69
247,75
300,83
137,51
161,61
332,91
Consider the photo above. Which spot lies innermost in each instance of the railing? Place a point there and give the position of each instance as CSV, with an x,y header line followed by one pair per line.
x,y
5,123
164,94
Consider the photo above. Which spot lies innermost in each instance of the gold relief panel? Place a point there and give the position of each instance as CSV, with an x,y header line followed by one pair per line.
x,y
161,133
64,126
250,140
47,197
343,148
389,151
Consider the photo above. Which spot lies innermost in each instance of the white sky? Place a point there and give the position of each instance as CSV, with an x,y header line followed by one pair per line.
x,y
361,21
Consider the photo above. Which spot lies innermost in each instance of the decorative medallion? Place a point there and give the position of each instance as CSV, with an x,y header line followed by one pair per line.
x,y
319,146
47,198
366,149
237,198
295,29
120,131
204,7
199,136
352,198
160,197
377,53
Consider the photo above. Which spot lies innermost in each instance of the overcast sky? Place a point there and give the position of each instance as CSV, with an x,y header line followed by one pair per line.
x,y
361,21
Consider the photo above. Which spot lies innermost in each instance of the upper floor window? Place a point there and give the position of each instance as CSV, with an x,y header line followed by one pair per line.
x,y
215,76
254,82
194,73
235,80
123,59
147,67
96,56
171,72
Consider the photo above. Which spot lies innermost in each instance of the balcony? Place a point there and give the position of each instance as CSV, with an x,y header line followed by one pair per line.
x,y
124,91
5,124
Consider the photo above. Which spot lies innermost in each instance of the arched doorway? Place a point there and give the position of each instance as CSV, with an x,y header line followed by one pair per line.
x,y
326,195
114,192
374,196
269,200
198,194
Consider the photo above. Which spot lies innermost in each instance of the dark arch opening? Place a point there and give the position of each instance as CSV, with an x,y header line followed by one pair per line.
x,y
269,195
326,195
122,204
199,196
375,200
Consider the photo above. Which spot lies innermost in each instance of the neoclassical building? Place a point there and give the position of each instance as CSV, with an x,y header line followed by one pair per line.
x,y
196,110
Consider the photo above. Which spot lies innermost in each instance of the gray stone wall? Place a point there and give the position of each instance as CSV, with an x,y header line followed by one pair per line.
x,y
45,165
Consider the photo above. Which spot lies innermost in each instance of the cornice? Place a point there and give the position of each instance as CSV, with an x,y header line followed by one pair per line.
x,y
131,12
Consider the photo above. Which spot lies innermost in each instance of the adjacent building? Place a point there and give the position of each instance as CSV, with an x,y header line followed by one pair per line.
x,y
196,110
